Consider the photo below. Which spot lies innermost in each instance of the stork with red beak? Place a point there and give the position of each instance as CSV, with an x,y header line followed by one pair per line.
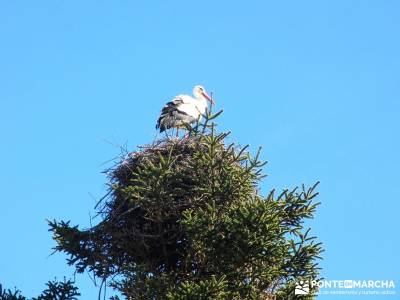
x,y
184,109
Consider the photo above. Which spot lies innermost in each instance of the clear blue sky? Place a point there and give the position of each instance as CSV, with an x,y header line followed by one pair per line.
x,y
316,83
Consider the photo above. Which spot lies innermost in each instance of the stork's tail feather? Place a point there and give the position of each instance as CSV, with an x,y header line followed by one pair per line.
x,y
160,126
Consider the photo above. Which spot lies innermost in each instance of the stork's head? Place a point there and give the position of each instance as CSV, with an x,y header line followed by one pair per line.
x,y
199,92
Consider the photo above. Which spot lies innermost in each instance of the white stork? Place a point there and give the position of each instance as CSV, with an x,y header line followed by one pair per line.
x,y
184,109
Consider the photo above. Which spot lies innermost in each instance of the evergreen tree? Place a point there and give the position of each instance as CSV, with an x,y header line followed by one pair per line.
x,y
184,219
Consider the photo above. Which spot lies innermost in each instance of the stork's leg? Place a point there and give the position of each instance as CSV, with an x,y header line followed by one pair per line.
x,y
177,131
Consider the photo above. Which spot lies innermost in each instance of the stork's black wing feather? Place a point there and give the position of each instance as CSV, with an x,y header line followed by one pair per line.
x,y
171,106
171,116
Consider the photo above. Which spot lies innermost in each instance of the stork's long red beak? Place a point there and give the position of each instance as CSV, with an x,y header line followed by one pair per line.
x,y
208,98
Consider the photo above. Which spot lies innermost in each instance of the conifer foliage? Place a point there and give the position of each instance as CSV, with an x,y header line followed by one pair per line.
x,y
55,290
184,219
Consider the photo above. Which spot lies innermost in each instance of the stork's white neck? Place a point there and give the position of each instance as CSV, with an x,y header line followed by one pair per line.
x,y
201,102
